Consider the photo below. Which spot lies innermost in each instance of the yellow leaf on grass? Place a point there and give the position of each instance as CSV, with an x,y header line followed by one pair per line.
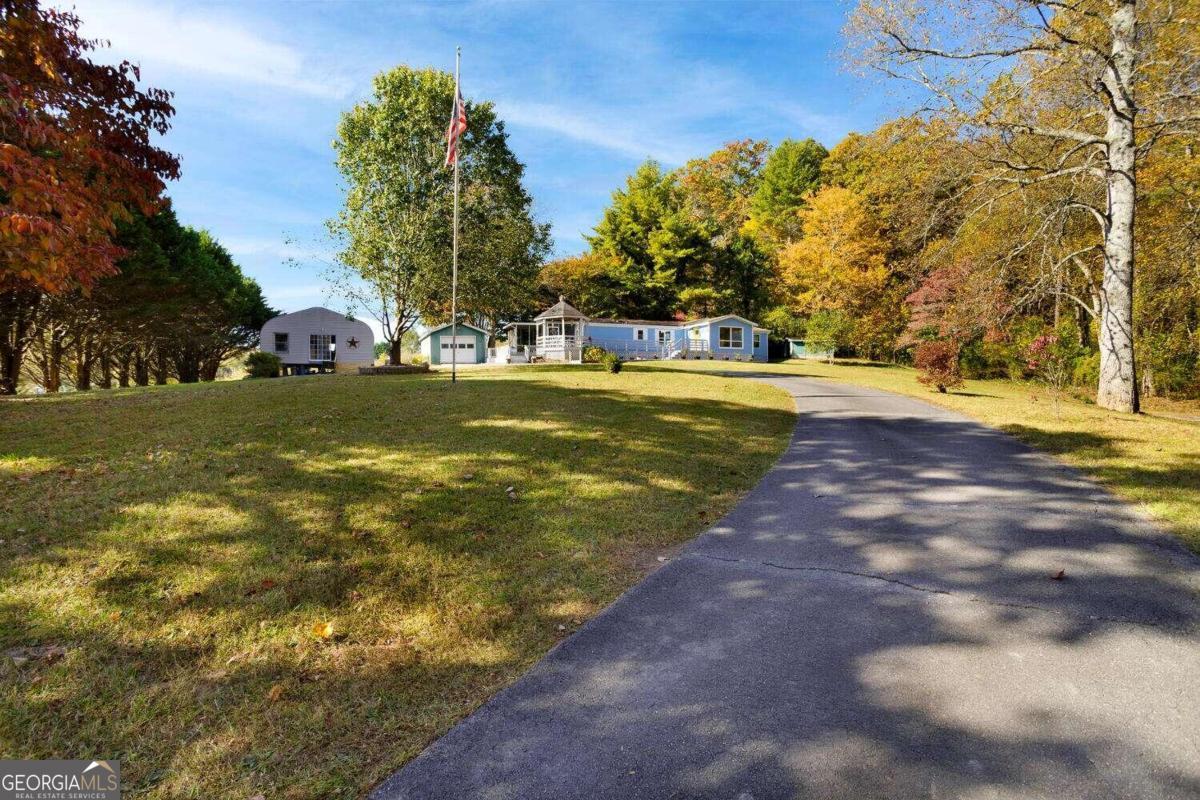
x,y
323,630
276,693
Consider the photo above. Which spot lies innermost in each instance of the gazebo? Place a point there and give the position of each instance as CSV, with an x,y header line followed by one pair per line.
x,y
560,330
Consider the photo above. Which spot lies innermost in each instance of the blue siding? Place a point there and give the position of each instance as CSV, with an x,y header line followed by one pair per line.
x,y
621,337
760,352
714,338
600,334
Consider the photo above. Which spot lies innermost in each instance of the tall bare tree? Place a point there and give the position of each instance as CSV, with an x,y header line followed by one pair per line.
x,y
1071,94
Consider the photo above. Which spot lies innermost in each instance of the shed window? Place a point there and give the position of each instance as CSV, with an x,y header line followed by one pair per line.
x,y
319,347
757,340
281,343
664,337
639,334
729,337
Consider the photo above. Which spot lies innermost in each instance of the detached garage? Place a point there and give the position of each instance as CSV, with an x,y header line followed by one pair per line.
x,y
438,344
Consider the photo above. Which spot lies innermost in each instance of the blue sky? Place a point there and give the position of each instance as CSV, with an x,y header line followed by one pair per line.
x,y
588,91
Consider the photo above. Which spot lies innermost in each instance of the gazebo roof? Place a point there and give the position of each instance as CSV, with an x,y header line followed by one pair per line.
x,y
561,310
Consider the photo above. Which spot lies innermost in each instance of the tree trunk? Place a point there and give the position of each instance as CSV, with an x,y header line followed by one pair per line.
x,y
396,352
1118,389
106,368
141,368
209,369
52,373
83,365
16,318
123,358
159,368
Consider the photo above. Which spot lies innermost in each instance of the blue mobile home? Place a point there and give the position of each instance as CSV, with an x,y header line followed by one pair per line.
x,y
561,332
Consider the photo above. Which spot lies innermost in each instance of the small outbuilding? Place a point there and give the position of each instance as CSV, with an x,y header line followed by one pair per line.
x,y
318,339
439,344
797,348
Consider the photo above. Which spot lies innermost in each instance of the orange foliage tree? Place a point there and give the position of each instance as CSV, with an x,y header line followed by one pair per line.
x,y
75,151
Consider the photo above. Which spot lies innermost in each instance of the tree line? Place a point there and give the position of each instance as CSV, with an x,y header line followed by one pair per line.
x,y
990,234
100,285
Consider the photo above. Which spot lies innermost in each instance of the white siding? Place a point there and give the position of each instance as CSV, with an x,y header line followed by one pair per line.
x,y
302,324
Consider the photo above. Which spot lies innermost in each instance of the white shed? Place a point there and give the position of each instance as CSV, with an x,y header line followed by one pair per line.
x,y
318,338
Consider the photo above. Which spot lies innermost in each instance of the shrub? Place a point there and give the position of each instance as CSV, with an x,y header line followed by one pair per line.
x,y
1051,358
417,359
937,361
826,332
1086,370
611,362
592,354
261,364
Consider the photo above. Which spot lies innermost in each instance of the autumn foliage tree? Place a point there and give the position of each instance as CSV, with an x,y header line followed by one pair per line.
x,y
1071,96
75,158
75,151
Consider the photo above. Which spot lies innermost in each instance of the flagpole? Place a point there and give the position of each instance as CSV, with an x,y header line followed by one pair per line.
x,y
454,267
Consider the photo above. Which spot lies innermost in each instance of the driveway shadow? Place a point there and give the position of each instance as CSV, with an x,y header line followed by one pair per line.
x,y
908,605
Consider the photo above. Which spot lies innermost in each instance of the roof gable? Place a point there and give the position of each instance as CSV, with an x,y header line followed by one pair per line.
x,y
561,309
445,325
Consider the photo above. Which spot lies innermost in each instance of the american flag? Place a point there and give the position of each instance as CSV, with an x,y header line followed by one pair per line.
x,y
458,126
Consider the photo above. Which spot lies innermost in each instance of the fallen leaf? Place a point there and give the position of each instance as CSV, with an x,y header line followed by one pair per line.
x,y
322,630
114,616
275,695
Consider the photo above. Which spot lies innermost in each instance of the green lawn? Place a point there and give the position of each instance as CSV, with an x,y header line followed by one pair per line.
x,y
289,587
1151,459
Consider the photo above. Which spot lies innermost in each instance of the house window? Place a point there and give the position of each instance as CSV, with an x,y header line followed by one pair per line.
x,y
757,340
664,337
639,334
281,343
319,347
730,337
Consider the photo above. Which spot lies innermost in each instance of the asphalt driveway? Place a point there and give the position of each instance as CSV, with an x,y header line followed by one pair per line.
x,y
881,617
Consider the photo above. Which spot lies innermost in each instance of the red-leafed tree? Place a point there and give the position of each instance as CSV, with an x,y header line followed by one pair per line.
x,y
75,158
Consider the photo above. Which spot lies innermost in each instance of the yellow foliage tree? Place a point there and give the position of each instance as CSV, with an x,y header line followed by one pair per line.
x,y
839,262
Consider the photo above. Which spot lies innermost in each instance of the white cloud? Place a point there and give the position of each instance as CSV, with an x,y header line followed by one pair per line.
x,y
281,248
160,36
308,293
624,138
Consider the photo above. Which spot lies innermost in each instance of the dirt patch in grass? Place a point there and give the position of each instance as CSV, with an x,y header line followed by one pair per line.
x,y
290,587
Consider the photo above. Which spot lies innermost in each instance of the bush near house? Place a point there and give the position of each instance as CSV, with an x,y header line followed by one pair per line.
x,y
260,364
592,354
611,362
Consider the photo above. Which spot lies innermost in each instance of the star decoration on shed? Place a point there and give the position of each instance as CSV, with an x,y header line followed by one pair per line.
x,y
352,342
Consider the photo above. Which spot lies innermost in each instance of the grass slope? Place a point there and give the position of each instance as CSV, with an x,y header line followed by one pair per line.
x,y
1151,459
186,546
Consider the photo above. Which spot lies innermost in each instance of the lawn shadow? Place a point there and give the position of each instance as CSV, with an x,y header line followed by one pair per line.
x,y
304,507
